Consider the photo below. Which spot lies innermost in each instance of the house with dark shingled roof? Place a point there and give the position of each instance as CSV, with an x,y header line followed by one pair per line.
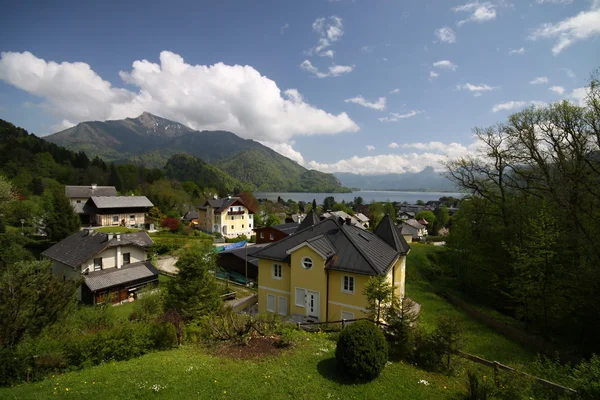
x,y
319,272
229,216
109,263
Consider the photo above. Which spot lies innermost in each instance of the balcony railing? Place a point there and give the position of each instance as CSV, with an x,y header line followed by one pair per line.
x,y
236,212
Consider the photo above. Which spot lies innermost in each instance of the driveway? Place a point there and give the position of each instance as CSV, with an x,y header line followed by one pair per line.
x,y
167,264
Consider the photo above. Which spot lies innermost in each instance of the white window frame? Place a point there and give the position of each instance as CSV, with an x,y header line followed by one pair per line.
x,y
262,235
132,217
274,299
113,219
279,298
274,271
271,236
249,216
300,295
350,279
249,226
304,259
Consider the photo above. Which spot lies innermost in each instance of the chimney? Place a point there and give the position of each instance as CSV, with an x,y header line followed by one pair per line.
x,y
118,237
215,197
94,186
110,236
348,221
341,220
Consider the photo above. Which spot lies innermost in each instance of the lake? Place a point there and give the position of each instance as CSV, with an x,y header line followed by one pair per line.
x,y
367,195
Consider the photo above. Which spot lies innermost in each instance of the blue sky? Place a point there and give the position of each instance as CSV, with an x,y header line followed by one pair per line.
x,y
358,86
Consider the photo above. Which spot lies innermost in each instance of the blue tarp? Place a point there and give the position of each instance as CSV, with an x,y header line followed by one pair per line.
x,y
231,246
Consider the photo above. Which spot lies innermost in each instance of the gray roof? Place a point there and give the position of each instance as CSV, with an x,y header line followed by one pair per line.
x,y
311,219
250,251
89,191
222,204
121,201
361,217
392,235
111,277
288,228
83,245
414,223
344,216
347,247
190,215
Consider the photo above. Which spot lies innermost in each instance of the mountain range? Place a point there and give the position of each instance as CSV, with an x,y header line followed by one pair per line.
x,y
426,180
151,141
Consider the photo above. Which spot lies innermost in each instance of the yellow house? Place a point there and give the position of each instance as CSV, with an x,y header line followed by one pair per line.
x,y
229,217
319,272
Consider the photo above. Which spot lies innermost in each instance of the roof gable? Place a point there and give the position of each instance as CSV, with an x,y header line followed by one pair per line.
x,y
391,234
311,219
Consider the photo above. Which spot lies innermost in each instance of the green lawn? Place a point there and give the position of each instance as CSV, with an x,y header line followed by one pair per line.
x,y
478,339
307,371
116,229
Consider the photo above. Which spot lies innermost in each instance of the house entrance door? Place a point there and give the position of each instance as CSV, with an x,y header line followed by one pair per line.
x,y
312,304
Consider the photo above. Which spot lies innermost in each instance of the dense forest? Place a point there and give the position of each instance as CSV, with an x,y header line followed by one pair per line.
x,y
527,240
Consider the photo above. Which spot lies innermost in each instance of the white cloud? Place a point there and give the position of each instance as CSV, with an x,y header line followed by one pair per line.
x,y
395,91
580,95
283,28
62,125
393,145
554,1
517,51
446,35
476,89
433,74
378,105
512,105
330,31
425,154
445,64
327,53
557,89
395,117
539,80
366,49
370,148
570,30
335,70
286,150
480,12
213,97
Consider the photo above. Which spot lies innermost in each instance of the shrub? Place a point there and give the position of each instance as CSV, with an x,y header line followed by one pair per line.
x,y
400,318
148,305
425,352
171,223
188,231
362,351
447,338
478,389
163,335
587,378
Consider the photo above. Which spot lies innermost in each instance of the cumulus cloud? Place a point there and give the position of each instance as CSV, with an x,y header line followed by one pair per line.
x,y
476,89
62,125
286,150
445,64
580,95
554,1
370,148
212,97
330,30
393,145
445,34
394,91
570,30
517,51
423,155
378,105
513,105
395,117
479,12
433,74
569,72
327,53
557,89
539,80
333,71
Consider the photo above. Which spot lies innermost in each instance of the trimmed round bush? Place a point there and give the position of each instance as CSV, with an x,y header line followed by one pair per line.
x,y
362,350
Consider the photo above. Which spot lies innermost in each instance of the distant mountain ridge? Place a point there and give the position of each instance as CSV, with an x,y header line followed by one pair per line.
x,y
150,140
427,180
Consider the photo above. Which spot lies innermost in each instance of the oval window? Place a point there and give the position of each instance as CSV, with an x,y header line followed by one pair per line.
x,y
307,263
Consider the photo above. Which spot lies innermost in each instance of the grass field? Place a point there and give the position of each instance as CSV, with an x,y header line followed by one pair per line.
x,y
308,371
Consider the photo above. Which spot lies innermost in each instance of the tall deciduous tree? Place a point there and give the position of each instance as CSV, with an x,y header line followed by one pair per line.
x,y
328,203
194,292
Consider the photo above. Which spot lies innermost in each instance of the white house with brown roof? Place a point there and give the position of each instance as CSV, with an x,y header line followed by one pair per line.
x,y
79,195
127,211
228,216
109,263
